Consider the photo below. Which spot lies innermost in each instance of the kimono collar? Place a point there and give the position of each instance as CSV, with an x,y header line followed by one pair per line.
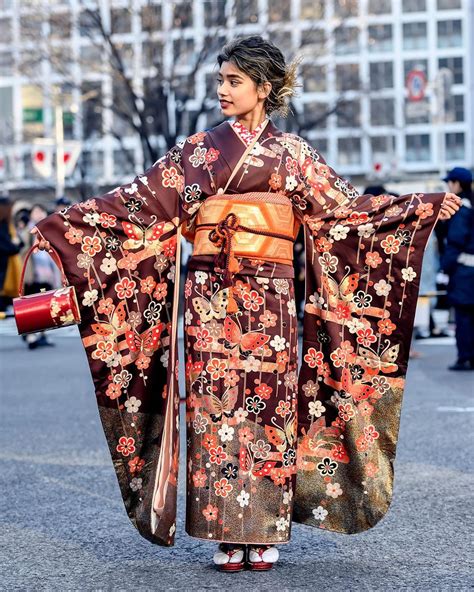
x,y
246,135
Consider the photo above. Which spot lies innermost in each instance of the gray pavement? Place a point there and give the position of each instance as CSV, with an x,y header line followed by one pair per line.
x,y
63,526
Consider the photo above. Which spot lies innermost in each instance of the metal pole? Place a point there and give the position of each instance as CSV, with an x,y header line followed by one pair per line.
x,y
60,164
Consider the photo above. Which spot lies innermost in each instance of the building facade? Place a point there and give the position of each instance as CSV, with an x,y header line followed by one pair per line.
x,y
354,104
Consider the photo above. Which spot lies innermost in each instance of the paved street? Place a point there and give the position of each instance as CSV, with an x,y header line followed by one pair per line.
x,y
63,526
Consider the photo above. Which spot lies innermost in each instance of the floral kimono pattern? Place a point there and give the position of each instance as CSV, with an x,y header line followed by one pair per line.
x,y
266,444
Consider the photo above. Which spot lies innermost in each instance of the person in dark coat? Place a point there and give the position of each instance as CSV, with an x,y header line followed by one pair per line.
x,y
458,263
9,245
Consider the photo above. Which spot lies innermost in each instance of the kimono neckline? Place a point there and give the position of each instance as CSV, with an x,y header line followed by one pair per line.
x,y
244,135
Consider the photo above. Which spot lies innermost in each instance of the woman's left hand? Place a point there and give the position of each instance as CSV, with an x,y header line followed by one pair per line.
x,y
451,205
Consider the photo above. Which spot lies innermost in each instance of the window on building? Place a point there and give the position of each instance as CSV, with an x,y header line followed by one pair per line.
x,y
315,115
314,78
450,33
120,20
32,106
381,147
212,45
6,63
312,9
380,38
458,107
125,51
214,13
415,36
91,58
88,23
455,65
448,4
315,38
347,77
183,87
348,114
282,40
278,11
417,148
382,112
183,13
346,40
92,163
414,5
409,65
92,109
6,30
60,59
246,11
455,149
60,25
183,50
124,162
417,111
380,6
321,145
151,18
346,8
152,54
349,151
381,75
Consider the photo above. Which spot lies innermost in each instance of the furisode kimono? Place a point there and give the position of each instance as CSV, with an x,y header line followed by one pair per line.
x,y
267,442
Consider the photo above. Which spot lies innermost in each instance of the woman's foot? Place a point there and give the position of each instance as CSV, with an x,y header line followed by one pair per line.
x,y
230,557
262,557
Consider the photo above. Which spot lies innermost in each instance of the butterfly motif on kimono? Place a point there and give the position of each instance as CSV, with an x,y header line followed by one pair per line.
x,y
117,322
246,342
224,407
215,308
356,389
281,437
146,342
261,468
342,292
385,362
141,238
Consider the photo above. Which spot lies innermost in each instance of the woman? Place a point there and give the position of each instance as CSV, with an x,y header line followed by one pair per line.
x,y
248,412
458,263
41,274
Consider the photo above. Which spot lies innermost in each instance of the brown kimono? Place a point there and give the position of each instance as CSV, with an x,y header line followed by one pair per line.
x,y
267,444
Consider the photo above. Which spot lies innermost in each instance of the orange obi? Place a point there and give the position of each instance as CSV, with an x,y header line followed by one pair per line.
x,y
253,225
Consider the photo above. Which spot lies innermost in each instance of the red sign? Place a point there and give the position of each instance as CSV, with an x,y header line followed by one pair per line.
x,y
416,85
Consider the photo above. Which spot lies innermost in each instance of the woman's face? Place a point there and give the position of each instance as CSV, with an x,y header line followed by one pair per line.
x,y
38,214
238,93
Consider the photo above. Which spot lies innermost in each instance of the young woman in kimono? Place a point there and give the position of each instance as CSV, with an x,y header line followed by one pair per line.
x,y
266,444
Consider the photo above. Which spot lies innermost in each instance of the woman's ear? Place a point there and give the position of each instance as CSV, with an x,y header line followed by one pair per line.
x,y
264,90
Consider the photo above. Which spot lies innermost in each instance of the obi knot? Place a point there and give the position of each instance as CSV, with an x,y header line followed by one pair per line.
x,y
221,236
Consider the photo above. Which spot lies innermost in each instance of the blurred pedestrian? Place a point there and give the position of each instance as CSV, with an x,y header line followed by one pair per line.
x,y
458,263
10,265
41,273
61,202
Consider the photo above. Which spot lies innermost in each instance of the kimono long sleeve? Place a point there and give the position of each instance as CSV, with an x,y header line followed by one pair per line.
x,y
363,264
119,250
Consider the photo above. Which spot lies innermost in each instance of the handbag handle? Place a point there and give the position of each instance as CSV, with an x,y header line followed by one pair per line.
x,y
54,256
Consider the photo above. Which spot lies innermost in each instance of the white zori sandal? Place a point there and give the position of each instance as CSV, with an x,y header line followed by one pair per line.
x,y
230,557
262,557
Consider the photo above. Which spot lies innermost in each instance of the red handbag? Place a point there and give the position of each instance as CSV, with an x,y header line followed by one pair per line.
x,y
47,309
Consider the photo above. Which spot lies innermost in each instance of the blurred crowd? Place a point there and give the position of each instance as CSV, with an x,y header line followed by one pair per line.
x,y
447,280
16,221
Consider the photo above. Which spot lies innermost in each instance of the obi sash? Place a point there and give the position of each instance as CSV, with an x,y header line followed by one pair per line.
x,y
254,225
